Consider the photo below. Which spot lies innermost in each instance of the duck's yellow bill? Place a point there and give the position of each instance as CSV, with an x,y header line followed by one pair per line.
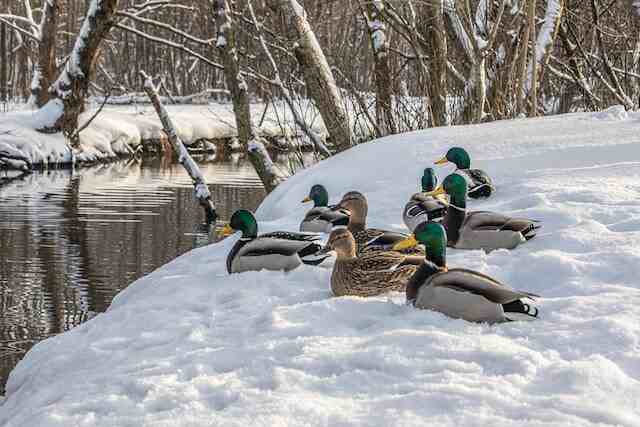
x,y
306,199
443,198
226,231
408,243
437,192
442,161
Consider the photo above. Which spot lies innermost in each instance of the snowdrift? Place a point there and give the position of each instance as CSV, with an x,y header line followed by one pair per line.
x,y
189,345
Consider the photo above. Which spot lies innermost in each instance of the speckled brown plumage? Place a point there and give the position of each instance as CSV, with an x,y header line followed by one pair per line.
x,y
370,239
367,274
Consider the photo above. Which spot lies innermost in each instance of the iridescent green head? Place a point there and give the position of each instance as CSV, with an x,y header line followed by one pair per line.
x,y
429,180
456,186
457,156
319,195
434,238
243,220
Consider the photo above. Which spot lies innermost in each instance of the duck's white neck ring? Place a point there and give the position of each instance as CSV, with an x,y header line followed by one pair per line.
x,y
457,207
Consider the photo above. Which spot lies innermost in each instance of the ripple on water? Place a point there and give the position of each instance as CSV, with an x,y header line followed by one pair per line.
x,y
70,241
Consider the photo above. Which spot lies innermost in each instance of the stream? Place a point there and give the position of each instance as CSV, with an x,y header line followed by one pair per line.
x,y
71,240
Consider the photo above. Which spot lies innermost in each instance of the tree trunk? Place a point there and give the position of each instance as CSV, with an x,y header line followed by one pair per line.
x,y
533,111
524,61
45,68
382,71
69,91
320,81
4,59
438,48
226,45
201,190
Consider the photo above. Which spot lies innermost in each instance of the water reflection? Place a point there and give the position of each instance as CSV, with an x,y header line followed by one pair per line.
x,y
70,241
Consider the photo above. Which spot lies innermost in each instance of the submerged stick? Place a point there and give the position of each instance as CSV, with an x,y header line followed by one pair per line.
x,y
201,191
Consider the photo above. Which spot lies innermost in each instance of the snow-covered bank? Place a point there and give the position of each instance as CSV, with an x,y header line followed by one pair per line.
x,y
119,130
189,345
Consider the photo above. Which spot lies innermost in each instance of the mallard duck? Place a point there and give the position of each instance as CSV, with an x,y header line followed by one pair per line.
x,y
458,292
321,218
368,274
421,207
368,239
481,229
280,250
478,182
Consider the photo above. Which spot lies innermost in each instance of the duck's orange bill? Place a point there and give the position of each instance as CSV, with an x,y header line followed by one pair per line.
x,y
442,161
226,231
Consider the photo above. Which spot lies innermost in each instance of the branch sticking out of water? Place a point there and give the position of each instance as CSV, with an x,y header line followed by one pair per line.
x,y
200,185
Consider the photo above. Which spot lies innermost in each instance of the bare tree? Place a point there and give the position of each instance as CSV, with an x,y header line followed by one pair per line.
x,y
321,83
372,12
227,47
46,66
69,91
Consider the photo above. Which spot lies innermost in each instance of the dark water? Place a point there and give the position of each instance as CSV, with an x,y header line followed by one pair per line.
x,y
69,242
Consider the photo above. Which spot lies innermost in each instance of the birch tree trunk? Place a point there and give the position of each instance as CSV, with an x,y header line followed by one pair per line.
x,y
201,191
69,91
320,81
373,13
546,41
226,45
45,68
314,137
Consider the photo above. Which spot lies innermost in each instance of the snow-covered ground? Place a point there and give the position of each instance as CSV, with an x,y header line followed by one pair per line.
x,y
189,345
118,130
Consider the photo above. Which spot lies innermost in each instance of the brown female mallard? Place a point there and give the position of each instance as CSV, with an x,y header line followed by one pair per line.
x,y
368,274
369,239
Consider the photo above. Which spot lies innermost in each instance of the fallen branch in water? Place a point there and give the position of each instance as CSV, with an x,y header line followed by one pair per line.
x,y
201,190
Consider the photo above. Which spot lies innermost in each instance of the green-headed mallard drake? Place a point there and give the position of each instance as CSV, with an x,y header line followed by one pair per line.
x,y
421,207
280,250
480,229
478,182
368,274
368,239
458,292
321,218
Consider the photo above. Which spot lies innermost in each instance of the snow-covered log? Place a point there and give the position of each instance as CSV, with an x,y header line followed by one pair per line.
x,y
318,76
201,191
226,45
69,91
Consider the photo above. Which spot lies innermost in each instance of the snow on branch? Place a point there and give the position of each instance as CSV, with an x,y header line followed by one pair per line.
x,y
201,190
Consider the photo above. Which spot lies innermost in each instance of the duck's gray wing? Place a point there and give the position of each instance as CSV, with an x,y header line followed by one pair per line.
x,y
464,280
485,220
270,246
480,184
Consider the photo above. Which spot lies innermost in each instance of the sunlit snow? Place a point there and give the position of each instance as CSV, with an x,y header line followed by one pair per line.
x,y
190,345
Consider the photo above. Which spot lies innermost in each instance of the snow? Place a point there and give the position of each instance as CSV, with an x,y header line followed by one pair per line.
x,y
190,345
119,130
